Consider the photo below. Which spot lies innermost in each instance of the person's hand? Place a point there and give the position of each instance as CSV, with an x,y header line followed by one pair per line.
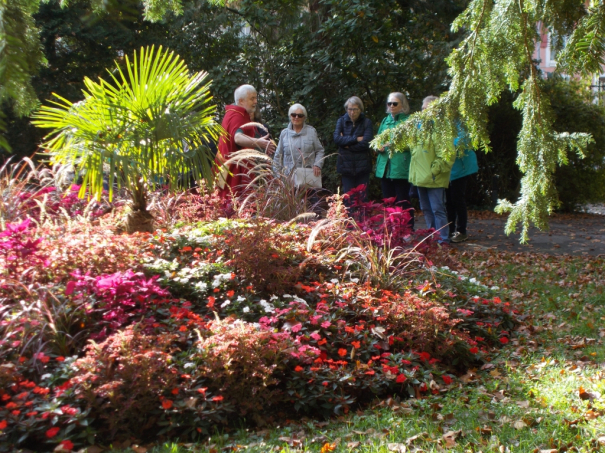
x,y
341,134
381,149
316,170
267,145
359,139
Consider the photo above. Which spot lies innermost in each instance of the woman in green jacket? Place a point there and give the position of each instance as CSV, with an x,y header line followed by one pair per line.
x,y
393,168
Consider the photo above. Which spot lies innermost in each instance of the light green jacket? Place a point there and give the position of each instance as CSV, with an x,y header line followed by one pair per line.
x,y
396,166
429,168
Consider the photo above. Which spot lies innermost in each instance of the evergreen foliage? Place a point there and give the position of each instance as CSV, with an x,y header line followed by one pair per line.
x,y
496,55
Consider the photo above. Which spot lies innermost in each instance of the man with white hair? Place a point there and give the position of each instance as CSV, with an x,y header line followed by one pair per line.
x,y
240,135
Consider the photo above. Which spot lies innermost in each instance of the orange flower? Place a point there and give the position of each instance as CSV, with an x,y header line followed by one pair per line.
x,y
298,368
322,341
327,448
186,249
183,329
167,404
356,344
342,352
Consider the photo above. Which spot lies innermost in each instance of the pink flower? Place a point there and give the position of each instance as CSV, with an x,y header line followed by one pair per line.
x,y
297,327
326,324
70,287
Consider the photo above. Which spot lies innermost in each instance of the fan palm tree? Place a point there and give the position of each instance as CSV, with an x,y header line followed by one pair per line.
x,y
146,126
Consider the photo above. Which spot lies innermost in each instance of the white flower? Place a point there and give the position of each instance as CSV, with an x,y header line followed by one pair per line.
x,y
273,297
287,295
447,268
240,298
45,376
495,288
334,280
354,280
224,304
473,280
189,365
246,309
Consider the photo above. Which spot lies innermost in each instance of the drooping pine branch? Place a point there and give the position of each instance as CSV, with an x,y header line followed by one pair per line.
x,y
497,55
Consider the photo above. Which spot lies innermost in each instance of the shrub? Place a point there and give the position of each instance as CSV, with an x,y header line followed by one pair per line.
x,y
124,379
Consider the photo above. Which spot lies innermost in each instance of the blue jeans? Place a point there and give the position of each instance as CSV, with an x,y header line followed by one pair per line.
x,y
432,203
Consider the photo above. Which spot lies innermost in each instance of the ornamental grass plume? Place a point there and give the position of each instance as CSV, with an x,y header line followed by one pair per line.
x,y
268,194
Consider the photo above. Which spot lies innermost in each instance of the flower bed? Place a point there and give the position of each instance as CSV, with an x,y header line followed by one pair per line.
x,y
109,336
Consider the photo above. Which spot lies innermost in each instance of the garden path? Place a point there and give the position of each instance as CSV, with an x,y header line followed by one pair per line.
x,y
571,234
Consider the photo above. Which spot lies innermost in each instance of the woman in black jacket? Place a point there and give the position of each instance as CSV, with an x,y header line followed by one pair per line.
x,y
353,135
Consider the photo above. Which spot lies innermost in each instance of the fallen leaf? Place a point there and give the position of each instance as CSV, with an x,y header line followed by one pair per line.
x,y
413,439
352,445
523,404
519,424
397,448
450,437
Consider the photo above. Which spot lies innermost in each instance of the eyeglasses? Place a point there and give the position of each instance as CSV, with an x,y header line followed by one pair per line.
x,y
394,104
352,110
297,115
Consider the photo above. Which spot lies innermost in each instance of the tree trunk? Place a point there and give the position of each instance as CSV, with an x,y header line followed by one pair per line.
x,y
139,219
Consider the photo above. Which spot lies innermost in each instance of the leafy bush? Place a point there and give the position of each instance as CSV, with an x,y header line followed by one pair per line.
x,y
123,380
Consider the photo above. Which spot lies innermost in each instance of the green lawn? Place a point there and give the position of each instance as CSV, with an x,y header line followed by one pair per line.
x,y
542,392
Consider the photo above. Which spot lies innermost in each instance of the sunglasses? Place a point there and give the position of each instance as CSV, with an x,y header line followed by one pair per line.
x,y
297,115
394,104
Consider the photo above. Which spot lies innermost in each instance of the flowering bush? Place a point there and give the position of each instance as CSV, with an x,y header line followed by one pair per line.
x,y
197,327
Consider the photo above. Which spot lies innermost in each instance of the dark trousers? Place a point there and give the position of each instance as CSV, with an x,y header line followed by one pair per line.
x,y
400,189
456,205
350,182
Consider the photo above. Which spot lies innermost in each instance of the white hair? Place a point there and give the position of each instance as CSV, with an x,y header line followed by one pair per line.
x,y
404,101
243,92
427,100
297,107
355,101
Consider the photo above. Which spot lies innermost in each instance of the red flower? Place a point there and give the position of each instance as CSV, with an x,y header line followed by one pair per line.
x,y
230,293
325,383
183,329
11,405
175,391
356,344
400,379
370,372
446,379
474,350
503,340
424,356
60,359
67,445
202,390
211,301
167,404
342,352
52,432
298,368
3,424
217,398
